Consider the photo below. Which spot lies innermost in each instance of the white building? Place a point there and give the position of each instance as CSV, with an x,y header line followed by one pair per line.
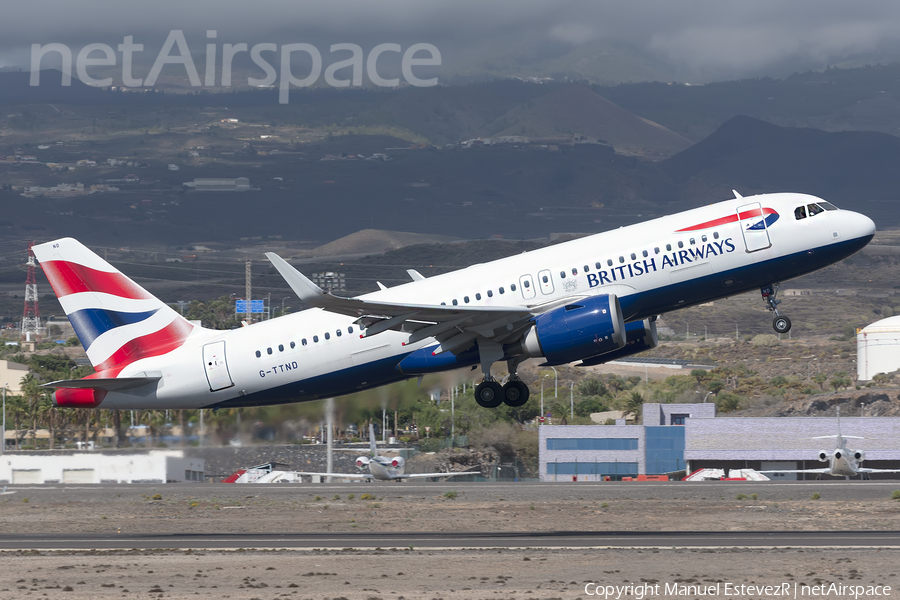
x,y
878,348
157,466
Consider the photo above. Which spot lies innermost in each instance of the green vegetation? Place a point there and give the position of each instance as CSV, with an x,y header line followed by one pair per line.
x,y
895,495
450,495
815,496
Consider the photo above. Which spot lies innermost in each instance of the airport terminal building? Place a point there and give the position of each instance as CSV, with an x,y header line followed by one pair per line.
x,y
688,437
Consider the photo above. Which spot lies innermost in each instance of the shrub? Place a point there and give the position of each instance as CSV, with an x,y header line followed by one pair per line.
x,y
450,495
351,496
366,497
156,497
765,340
429,445
740,497
816,496
895,495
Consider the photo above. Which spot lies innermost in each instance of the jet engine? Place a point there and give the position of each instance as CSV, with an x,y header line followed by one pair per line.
x,y
859,455
362,461
397,462
639,336
823,456
576,331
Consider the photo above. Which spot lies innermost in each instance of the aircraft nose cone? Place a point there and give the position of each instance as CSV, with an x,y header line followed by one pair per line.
x,y
863,226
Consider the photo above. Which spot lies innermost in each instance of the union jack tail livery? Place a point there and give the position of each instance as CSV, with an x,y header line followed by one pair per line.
x,y
117,321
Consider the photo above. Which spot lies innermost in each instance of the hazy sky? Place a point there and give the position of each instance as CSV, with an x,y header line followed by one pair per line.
x,y
703,39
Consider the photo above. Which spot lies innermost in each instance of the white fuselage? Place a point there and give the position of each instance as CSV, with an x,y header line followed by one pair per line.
x,y
652,267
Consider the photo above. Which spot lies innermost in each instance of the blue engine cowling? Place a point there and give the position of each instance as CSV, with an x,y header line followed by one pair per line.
x,y
640,336
577,331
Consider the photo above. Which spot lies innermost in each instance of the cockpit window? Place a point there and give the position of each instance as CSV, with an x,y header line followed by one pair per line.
x,y
828,206
814,209
800,212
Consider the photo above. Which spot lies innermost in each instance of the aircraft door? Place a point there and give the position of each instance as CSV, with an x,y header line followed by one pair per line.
x,y
754,227
216,368
545,280
526,284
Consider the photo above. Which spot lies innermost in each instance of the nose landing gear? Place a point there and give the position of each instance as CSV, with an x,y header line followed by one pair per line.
x,y
781,324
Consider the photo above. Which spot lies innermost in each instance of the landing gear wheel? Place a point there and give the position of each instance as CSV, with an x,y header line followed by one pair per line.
x,y
489,394
515,393
781,324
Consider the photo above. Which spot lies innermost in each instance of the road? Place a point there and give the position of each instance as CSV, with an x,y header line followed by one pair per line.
x,y
513,540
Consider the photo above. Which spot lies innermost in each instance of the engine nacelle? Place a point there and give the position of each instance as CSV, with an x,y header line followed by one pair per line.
x,y
397,462
577,331
823,456
859,455
362,461
78,397
639,335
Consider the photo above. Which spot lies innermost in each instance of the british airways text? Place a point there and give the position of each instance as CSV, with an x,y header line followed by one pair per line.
x,y
660,262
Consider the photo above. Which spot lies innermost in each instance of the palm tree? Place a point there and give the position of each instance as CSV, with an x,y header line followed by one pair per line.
x,y
633,404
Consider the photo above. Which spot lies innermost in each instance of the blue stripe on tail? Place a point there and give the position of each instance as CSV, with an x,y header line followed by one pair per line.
x,y
91,323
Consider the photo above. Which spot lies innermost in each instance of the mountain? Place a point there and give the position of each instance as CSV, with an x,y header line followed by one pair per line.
x,y
854,169
577,110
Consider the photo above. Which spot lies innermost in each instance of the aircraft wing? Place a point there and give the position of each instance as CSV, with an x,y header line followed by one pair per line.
x,y
822,470
340,475
426,475
455,327
111,384
868,470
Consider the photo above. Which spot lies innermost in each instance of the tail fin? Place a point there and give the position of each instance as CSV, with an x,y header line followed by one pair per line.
x,y
372,445
116,320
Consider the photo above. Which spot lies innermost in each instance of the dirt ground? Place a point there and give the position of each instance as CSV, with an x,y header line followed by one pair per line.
x,y
530,573
446,575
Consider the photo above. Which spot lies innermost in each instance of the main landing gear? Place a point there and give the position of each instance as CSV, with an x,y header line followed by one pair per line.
x,y
781,324
489,393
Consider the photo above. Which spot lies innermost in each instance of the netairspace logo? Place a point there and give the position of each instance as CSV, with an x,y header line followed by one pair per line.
x,y
103,55
643,591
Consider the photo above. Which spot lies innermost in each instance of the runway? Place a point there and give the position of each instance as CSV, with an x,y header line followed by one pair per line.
x,y
425,540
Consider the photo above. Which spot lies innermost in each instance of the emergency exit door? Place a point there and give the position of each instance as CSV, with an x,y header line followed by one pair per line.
x,y
754,227
216,368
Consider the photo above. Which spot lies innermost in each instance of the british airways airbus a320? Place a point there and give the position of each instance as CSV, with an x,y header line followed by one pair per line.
x,y
592,300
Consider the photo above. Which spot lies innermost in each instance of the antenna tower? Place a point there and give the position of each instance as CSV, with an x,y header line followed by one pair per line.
x,y
31,318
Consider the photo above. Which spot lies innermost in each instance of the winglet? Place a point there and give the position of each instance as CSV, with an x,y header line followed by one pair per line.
x,y
736,195
305,289
415,275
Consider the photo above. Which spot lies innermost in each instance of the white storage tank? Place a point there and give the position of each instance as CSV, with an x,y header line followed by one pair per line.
x,y
878,348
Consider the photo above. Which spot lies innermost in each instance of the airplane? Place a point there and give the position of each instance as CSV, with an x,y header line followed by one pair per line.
x,y
593,300
843,462
385,468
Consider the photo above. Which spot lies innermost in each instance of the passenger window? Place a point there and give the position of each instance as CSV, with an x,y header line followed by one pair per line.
x,y
466,299
633,256
527,284
609,262
501,290
715,235
338,332
668,247
562,274
586,268
327,336
598,265
455,302
574,271
268,351
681,244
303,341
258,354
490,294
656,250
814,209
545,279
293,345
315,339
443,304
621,259
703,238
693,241
478,296
350,329
281,347
644,253
512,287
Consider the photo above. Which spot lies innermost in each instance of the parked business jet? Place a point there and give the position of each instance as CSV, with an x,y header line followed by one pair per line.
x,y
385,468
592,300
842,461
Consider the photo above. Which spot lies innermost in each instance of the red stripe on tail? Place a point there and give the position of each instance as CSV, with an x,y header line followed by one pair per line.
x,y
160,342
71,278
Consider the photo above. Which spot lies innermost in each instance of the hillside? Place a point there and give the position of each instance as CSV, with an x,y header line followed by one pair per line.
x,y
375,241
576,110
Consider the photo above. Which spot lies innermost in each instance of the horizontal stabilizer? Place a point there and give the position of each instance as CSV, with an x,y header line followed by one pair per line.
x,y
111,384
